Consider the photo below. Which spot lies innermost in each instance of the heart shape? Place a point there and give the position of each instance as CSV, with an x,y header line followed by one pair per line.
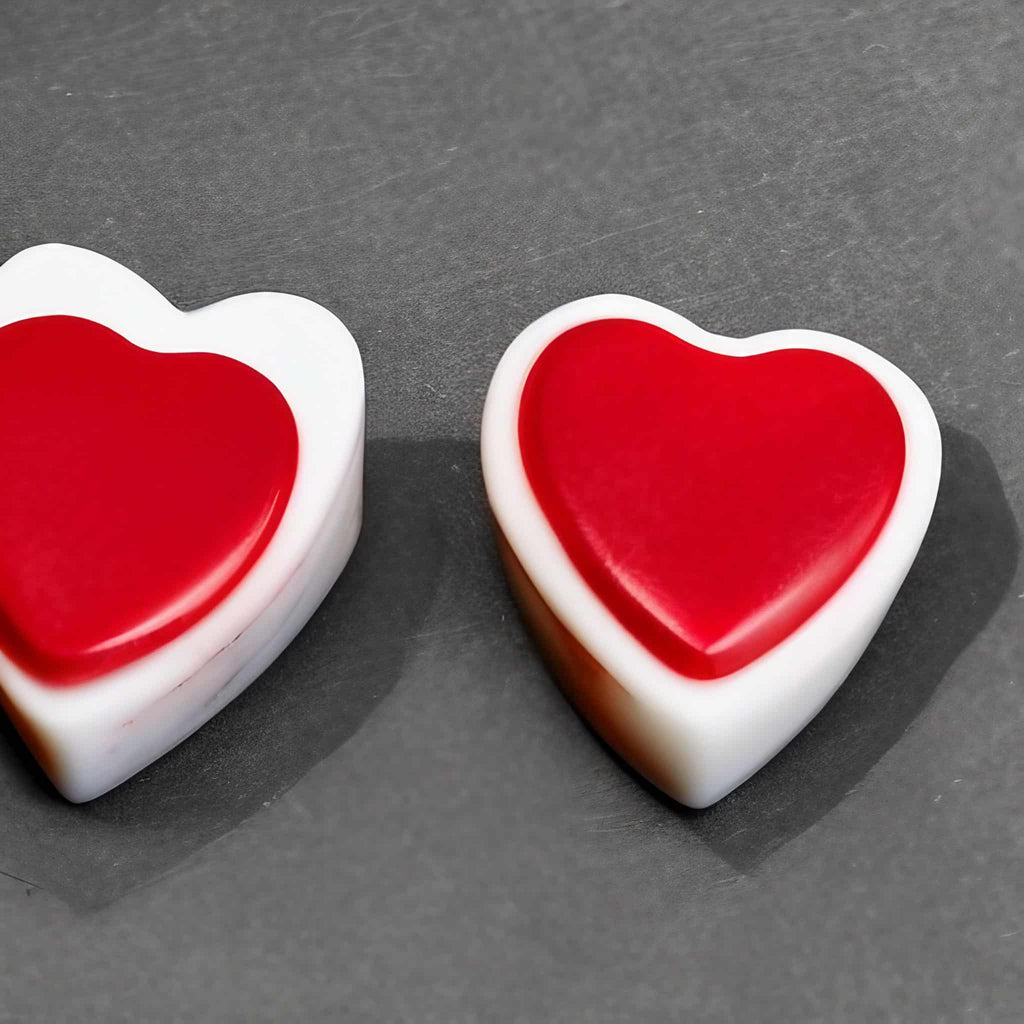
x,y
182,491
704,532
140,488
713,503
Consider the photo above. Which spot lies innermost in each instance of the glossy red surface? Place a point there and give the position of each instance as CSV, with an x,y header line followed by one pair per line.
x,y
712,502
138,489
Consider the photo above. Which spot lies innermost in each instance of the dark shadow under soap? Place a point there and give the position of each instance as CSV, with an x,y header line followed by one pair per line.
x,y
305,706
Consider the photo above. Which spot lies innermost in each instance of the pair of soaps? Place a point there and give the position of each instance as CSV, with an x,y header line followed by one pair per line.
x,y
704,533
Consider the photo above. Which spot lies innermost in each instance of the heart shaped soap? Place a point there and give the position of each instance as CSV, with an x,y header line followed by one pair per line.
x,y
704,532
181,490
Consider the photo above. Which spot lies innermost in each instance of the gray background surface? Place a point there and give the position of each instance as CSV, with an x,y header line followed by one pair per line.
x,y
403,820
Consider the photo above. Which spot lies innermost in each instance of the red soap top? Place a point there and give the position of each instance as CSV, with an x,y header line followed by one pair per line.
x,y
138,489
712,502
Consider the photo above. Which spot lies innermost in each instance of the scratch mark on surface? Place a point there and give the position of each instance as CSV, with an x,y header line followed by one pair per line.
x,y
383,25
446,630
604,238
18,878
357,193
726,881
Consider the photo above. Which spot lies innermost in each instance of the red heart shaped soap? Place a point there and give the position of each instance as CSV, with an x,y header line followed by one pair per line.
x,y
139,487
703,532
712,503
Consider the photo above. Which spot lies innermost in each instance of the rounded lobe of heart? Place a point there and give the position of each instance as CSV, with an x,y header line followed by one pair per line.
x,y
712,502
138,489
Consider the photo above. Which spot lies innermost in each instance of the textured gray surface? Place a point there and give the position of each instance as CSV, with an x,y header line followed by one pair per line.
x,y
403,820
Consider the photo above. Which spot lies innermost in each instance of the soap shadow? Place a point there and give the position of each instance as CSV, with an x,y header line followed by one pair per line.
x,y
425,522
305,706
964,568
